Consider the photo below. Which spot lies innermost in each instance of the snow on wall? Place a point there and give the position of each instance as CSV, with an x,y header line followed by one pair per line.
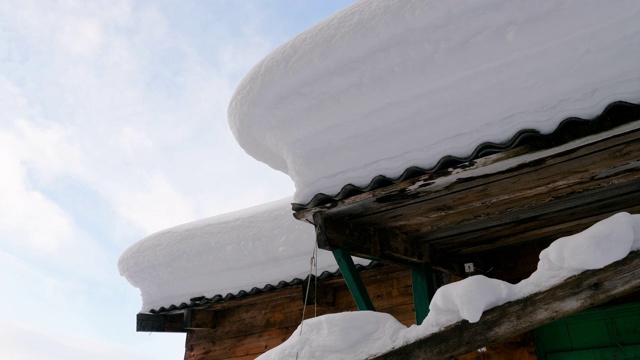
x,y
223,254
384,85
359,335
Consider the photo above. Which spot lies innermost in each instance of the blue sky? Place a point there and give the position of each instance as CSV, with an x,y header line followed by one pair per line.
x,y
113,126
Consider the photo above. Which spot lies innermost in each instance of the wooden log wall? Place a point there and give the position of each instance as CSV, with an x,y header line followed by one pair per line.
x,y
247,327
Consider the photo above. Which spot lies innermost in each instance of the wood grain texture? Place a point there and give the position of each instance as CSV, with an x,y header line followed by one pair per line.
x,y
260,322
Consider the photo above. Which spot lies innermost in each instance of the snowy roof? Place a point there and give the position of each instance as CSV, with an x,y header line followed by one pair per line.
x,y
571,129
385,85
223,255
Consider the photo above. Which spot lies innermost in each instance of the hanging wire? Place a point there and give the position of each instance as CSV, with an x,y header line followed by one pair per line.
x,y
315,280
313,262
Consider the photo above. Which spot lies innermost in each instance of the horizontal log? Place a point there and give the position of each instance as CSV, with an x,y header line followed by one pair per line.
x,y
583,291
371,243
591,179
224,331
204,345
380,244
389,287
160,322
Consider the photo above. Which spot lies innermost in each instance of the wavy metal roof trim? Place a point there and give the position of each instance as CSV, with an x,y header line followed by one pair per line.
x,y
615,114
202,301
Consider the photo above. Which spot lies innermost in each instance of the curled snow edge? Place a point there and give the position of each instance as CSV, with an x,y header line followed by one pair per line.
x,y
360,335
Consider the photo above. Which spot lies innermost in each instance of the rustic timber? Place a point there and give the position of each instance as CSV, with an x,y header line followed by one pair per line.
x,y
246,327
577,293
160,322
374,244
501,200
353,280
322,297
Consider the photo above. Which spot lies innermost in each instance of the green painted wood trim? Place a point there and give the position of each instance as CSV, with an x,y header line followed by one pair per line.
x,y
353,280
423,290
588,334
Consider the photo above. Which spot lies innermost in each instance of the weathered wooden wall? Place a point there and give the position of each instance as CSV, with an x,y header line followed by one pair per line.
x,y
247,327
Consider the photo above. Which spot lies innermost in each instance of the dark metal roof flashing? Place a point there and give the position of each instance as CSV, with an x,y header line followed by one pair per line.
x,y
203,301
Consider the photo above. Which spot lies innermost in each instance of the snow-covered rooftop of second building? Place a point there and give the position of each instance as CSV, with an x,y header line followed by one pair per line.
x,y
385,85
223,255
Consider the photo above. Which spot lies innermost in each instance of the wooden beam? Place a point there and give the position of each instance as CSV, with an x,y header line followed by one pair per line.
x,y
577,293
160,322
423,284
353,280
369,242
381,245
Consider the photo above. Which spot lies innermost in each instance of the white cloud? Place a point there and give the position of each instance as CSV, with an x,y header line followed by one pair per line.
x,y
112,126
155,205
133,140
26,216
19,341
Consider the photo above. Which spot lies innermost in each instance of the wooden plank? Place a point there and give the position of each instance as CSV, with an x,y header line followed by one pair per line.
x,y
576,183
575,294
323,296
248,330
367,242
389,287
519,347
203,344
352,279
525,215
248,320
160,322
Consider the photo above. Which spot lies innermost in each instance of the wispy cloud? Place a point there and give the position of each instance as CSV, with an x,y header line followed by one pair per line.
x,y
113,126
142,104
19,341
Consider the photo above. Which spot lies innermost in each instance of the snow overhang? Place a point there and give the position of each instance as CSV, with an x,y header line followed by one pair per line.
x,y
222,256
385,85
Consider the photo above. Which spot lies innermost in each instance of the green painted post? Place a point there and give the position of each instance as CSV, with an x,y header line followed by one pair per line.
x,y
353,280
423,290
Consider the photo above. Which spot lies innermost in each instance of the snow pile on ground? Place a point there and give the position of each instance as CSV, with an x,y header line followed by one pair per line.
x,y
348,336
384,85
223,254
359,335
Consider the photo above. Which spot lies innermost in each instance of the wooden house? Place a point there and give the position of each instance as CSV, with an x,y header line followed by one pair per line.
x,y
511,200
374,81
494,212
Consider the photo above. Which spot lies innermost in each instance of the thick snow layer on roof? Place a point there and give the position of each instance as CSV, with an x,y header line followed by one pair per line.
x,y
360,335
384,85
223,254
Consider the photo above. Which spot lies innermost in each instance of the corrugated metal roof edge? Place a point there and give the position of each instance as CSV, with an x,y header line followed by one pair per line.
x,y
615,114
202,301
